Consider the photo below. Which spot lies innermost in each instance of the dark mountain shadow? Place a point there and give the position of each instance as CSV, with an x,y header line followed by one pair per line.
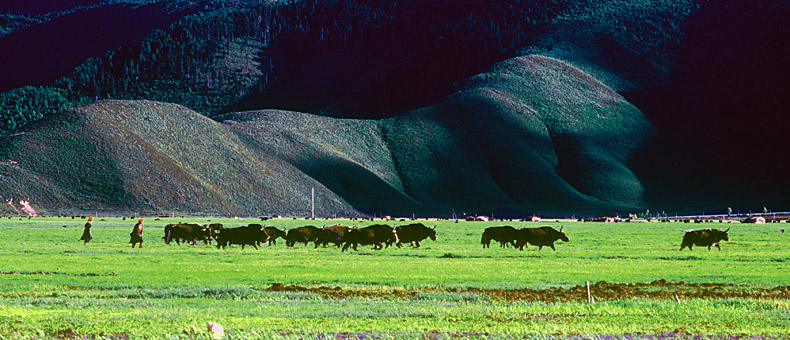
x,y
722,122
377,59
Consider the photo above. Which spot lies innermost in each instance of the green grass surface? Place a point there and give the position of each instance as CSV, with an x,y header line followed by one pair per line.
x,y
53,285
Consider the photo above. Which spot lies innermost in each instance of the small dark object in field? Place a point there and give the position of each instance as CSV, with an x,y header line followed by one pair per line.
x,y
124,218
782,230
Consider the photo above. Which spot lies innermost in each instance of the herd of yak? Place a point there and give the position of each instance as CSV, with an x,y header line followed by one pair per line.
x,y
382,235
378,235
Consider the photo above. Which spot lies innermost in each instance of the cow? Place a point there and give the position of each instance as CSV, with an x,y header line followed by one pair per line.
x,y
503,235
303,234
413,233
704,237
333,234
260,234
247,235
754,219
272,234
213,230
542,236
376,235
186,232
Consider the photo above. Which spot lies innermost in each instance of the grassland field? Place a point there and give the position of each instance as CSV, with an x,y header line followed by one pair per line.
x,y
54,286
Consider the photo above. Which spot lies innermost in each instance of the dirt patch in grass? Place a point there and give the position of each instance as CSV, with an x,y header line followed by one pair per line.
x,y
659,289
340,293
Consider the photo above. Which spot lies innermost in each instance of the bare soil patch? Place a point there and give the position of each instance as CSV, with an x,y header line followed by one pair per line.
x,y
659,289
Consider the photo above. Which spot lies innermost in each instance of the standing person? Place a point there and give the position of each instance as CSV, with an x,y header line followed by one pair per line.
x,y
86,233
137,234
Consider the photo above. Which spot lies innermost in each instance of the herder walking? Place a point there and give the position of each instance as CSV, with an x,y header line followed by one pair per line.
x,y
86,233
137,234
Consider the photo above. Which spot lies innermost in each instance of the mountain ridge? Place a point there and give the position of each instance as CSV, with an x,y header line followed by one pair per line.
x,y
429,161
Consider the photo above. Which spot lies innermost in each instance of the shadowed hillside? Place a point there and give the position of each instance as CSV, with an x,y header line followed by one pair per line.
x,y
533,133
710,75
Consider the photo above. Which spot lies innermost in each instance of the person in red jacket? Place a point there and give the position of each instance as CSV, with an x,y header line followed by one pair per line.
x,y
137,234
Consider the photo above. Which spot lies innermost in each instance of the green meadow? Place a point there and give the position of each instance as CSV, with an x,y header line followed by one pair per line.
x,y
54,286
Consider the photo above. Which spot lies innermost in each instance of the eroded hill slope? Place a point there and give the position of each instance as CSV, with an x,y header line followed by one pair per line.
x,y
138,156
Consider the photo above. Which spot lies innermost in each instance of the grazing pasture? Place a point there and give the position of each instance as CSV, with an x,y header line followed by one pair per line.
x,y
54,286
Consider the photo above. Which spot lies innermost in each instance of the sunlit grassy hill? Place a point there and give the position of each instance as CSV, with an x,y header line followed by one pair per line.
x,y
136,156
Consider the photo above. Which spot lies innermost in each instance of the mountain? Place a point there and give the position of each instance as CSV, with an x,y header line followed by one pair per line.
x,y
675,106
531,134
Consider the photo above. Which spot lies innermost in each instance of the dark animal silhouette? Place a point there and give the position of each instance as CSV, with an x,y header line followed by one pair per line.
x,y
704,237
542,236
335,234
303,234
501,234
413,234
376,235
272,234
248,235
185,232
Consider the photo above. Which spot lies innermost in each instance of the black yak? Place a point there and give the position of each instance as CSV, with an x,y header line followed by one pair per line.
x,y
704,237
376,235
503,235
413,233
543,236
